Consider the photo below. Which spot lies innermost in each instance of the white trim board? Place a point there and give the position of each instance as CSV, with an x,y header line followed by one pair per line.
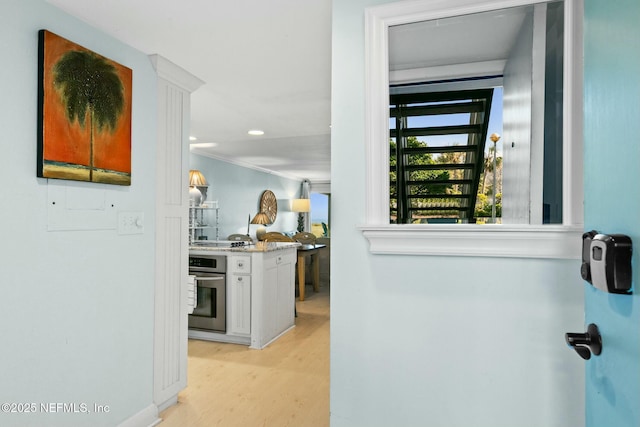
x,y
556,242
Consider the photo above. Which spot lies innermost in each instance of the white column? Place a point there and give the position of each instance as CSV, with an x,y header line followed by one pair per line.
x,y
170,331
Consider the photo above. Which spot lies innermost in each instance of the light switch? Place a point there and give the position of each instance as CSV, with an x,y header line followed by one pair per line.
x,y
130,222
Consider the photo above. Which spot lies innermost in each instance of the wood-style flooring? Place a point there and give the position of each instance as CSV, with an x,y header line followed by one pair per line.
x,y
286,384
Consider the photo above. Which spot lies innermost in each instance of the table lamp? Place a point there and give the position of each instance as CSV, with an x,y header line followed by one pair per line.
x,y
199,182
262,219
301,206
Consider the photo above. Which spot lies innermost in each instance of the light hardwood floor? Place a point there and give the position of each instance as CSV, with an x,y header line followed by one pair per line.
x,y
286,384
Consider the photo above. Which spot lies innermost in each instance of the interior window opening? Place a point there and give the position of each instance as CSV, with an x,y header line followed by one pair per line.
x,y
448,138
451,46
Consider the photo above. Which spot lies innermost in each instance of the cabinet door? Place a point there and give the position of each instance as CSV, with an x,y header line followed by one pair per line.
x,y
286,293
275,300
280,278
240,304
270,301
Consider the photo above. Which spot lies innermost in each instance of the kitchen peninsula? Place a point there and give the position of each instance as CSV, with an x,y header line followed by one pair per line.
x,y
260,294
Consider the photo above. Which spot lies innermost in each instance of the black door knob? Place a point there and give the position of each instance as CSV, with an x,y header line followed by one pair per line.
x,y
585,343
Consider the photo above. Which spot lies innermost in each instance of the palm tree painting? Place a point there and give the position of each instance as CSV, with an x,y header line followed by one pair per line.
x,y
84,114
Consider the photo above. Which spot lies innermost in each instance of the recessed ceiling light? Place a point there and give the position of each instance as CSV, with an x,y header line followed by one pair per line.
x,y
256,132
203,145
193,138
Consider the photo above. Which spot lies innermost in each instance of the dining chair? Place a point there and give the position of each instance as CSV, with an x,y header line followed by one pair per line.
x,y
276,236
305,238
239,238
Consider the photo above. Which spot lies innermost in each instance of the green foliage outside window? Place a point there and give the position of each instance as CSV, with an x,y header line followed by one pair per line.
x,y
484,201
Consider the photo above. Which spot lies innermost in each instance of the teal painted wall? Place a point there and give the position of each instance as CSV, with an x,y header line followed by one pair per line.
x,y
612,200
76,311
437,341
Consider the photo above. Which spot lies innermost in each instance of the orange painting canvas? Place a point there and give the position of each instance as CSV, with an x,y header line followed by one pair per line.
x,y
84,114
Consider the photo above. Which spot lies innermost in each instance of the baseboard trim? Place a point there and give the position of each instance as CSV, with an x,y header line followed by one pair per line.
x,y
167,403
148,417
273,339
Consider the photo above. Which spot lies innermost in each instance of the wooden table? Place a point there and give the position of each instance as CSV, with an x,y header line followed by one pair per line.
x,y
304,252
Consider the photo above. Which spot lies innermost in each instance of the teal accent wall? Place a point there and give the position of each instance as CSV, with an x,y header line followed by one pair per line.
x,y
76,307
612,201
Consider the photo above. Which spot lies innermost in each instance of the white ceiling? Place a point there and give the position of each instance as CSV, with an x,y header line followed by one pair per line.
x,y
266,65
462,40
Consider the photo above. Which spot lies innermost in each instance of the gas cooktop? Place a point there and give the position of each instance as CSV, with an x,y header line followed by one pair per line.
x,y
221,243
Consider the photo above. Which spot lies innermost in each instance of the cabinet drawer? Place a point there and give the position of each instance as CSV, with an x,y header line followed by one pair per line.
x,y
240,280
279,257
239,264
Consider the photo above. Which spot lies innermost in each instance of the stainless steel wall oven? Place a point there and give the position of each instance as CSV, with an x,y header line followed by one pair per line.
x,y
210,312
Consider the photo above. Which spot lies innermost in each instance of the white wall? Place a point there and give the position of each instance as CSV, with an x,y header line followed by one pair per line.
x,y
437,341
517,128
76,306
238,189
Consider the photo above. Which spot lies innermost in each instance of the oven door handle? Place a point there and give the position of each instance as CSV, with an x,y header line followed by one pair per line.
x,y
208,279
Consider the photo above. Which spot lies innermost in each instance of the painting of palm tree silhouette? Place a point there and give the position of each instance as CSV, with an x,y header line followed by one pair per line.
x,y
85,114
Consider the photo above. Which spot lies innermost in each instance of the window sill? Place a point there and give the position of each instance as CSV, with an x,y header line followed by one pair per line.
x,y
522,241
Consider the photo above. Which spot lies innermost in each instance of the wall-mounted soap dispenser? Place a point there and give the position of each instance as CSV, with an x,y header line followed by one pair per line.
x,y
606,261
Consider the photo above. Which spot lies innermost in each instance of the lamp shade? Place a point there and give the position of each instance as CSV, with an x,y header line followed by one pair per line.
x,y
196,178
261,218
301,205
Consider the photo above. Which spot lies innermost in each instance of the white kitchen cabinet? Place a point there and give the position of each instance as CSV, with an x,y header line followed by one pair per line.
x,y
239,264
273,296
239,295
260,295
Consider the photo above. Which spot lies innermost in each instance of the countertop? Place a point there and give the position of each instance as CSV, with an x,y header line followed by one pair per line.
x,y
270,247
